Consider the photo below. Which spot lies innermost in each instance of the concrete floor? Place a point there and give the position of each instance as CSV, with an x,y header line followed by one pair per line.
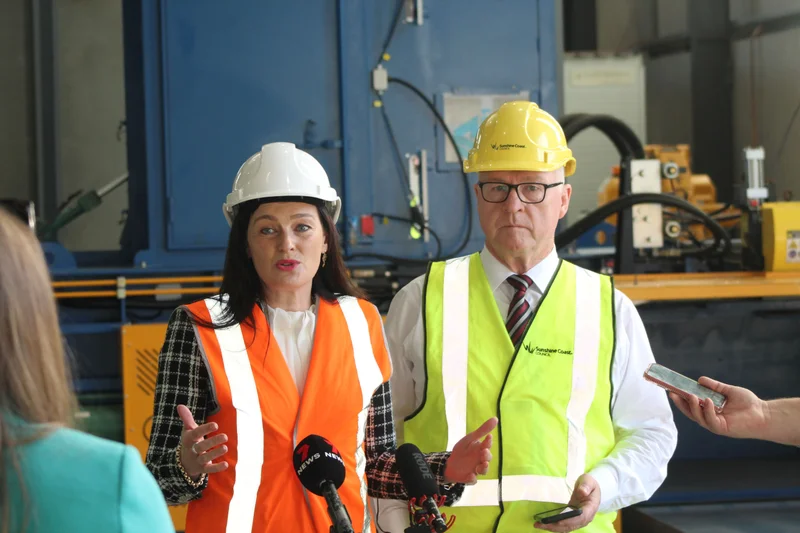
x,y
761,517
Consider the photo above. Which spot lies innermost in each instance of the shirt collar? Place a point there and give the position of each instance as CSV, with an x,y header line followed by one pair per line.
x,y
542,273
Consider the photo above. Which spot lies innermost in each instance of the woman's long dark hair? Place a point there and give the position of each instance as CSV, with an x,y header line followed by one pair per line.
x,y
240,281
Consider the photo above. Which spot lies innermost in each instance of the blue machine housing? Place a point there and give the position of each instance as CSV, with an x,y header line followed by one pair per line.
x,y
208,83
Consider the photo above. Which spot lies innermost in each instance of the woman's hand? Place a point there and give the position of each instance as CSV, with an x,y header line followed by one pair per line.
x,y
197,451
471,456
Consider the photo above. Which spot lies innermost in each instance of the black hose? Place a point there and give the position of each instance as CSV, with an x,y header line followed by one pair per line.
x,y
567,119
721,209
465,241
721,236
628,145
728,218
468,196
398,15
625,140
718,218
395,147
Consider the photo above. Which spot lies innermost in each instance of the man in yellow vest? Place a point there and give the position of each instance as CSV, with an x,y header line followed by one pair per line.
x,y
551,349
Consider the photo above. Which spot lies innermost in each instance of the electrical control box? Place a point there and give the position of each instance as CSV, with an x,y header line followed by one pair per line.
x,y
780,234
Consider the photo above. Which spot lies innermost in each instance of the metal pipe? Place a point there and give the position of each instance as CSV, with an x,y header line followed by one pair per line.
x,y
153,292
87,283
137,292
86,294
135,281
45,107
754,141
105,189
195,279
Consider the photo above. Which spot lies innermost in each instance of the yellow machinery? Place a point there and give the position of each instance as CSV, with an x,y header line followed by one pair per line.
x,y
141,344
677,179
776,224
780,236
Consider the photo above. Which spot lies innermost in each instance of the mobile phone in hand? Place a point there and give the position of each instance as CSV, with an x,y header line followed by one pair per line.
x,y
682,386
557,515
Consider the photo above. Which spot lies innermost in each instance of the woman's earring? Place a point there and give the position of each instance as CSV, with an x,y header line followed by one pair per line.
x,y
324,258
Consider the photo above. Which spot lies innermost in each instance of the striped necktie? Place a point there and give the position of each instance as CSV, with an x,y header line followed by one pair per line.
x,y
519,310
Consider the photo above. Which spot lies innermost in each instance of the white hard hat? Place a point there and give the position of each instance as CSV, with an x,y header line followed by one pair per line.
x,y
281,169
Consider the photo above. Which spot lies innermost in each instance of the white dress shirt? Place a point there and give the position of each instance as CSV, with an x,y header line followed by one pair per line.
x,y
294,333
643,424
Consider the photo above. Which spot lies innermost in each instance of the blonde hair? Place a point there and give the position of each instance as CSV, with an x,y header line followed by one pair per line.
x,y
35,385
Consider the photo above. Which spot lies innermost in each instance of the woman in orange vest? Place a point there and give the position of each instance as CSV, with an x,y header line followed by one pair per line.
x,y
289,348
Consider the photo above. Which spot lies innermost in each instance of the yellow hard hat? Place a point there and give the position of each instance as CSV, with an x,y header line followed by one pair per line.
x,y
520,136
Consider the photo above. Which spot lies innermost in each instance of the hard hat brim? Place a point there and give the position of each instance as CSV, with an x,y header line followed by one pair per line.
x,y
524,166
333,207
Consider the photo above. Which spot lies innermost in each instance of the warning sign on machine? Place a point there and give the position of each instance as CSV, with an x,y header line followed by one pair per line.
x,y
793,247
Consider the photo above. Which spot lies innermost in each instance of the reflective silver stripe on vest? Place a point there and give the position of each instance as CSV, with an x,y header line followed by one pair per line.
x,y
249,424
455,355
455,349
369,377
516,488
584,368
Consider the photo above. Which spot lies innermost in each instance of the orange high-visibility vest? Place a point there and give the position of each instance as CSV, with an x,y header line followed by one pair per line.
x,y
264,418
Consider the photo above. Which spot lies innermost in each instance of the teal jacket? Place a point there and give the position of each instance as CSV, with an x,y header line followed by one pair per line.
x,y
76,482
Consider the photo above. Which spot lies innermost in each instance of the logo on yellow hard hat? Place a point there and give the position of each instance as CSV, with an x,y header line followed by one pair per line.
x,y
520,136
507,146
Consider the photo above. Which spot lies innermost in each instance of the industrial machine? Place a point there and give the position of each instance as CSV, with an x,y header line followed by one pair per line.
x,y
674,177
663,217
388,96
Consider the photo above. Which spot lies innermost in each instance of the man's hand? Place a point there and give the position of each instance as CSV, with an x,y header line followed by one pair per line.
x,y
471,456
586,496
744,415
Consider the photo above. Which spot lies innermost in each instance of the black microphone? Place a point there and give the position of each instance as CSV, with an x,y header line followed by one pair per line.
x,y
321,470
420,482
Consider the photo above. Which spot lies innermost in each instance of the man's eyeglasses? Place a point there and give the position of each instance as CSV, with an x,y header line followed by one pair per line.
x,y
496,192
